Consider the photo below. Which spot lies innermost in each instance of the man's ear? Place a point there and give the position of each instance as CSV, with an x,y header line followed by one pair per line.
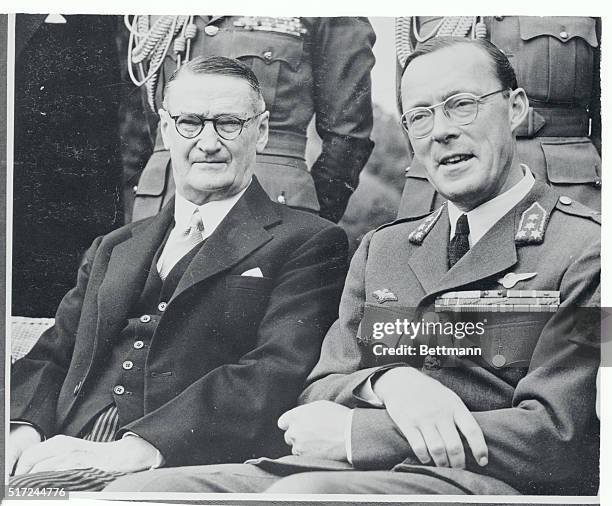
x,y
262,131
519,107
165,122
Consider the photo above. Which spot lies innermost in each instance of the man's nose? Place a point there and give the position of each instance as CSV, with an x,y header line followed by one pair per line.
x,y
208,140
444,129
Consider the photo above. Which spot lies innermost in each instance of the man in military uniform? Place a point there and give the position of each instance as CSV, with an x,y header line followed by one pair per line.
x,y
556,59
306,66
512,410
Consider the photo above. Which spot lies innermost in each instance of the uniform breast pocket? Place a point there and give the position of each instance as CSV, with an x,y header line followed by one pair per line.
x,y
269,47
509,342
270,55
555,61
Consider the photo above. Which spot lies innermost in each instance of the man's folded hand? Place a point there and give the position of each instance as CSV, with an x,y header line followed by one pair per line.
x,y
21,437
316,430
431,417
63,452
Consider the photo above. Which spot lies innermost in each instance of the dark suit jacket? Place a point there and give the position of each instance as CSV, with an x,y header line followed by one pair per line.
x,y
536,408
230,352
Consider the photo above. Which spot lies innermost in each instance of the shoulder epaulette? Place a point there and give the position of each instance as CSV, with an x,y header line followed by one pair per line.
x,y
407,219
570,206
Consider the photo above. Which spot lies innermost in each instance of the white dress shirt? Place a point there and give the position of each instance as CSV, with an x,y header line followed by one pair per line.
x,y
212,213
482,218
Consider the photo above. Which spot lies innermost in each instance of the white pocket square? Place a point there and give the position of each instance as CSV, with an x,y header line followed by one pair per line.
x,y
254,273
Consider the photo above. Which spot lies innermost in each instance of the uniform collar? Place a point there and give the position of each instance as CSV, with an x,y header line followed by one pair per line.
x,y
483,217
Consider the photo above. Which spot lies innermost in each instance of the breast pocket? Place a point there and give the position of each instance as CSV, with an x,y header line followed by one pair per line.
x,y
509,341
556,59
268,54
245,304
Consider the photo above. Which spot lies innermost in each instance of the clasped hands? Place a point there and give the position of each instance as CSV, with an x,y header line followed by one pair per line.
x,y
431,417
27,454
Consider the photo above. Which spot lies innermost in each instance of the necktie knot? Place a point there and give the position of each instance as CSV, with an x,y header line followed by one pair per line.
x,y
462,226
196,227
460,244
180,243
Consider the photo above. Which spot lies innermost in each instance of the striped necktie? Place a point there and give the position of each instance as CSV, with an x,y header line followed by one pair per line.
x,y
180,244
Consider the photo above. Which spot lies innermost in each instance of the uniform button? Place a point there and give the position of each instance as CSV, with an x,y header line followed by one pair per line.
x,y
267,55
128,364
563,35
145,318
138,345
119,390
499,361
162,306
77,387
211,30
135,188
597,183
566,201
281,199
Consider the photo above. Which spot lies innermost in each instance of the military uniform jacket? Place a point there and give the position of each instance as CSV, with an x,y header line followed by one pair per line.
x,y
230,352
536,407
306,67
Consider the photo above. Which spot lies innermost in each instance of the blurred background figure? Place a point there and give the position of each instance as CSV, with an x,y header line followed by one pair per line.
x,y
557,60
306,66
67,165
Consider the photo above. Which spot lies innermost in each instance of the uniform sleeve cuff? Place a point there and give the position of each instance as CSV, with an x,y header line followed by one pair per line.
x,y
364,391
347,437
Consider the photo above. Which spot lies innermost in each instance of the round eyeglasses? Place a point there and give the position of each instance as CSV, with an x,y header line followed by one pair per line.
x,y
461,109
228,127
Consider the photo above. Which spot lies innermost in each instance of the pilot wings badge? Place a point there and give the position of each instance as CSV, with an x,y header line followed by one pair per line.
x,y
384,295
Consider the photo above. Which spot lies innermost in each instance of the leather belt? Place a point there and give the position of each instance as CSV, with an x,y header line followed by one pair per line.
x,y
554,122
286,144
279,143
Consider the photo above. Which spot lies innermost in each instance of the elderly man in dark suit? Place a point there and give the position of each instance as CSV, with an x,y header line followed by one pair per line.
x,y
463,361
188,333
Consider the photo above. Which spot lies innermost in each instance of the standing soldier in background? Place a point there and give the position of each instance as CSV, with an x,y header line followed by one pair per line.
x,y
306,66
557,63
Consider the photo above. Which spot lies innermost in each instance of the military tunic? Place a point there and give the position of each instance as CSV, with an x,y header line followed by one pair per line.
x,y
556,60
306,67
532,390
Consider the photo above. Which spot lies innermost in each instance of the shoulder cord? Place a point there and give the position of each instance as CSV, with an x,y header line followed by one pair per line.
x,y
457,26
153,44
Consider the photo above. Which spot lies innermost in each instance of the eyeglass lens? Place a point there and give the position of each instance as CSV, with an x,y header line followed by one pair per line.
x,y
461,109
190,125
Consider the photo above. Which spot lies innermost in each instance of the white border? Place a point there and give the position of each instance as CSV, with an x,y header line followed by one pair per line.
x,y
10,102
369,8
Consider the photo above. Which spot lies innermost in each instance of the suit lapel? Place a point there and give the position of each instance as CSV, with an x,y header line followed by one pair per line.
x,y
242,231
129,266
